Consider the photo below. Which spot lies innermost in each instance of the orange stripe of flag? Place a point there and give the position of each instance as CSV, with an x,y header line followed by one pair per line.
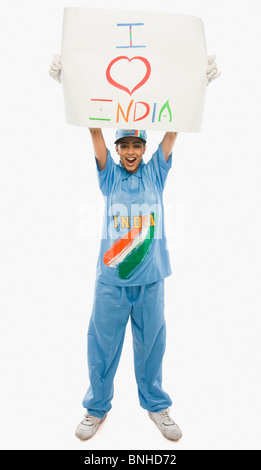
x,y
122,244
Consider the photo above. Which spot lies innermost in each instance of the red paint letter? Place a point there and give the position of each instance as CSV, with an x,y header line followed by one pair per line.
x,y
146,112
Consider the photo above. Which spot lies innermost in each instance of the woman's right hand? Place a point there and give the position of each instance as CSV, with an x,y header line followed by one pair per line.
x,y
56,68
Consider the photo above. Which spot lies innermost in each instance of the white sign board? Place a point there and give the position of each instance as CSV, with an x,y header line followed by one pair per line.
x,y
133,69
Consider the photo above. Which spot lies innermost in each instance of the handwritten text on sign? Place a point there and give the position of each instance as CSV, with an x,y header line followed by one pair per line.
x,y
148,72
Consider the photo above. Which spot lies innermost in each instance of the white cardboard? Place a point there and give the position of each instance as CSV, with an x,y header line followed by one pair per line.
x,y
133,69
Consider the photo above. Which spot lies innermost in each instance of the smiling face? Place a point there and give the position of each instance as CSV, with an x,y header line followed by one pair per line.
x,y
131,151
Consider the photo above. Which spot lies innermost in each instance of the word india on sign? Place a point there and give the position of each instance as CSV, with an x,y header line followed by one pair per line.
x,y
132,69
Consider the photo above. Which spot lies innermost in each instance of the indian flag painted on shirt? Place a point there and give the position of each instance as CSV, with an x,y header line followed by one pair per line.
x,y
129,252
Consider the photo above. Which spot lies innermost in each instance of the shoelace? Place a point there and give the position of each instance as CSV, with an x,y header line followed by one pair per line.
x,y
166,419
88,419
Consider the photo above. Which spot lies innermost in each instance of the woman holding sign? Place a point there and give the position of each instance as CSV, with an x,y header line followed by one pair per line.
x,y
132,265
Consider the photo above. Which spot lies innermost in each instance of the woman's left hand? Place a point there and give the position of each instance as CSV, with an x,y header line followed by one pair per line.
x,y
212,70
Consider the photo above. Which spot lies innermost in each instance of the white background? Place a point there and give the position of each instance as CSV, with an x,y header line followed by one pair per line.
x,y
49,246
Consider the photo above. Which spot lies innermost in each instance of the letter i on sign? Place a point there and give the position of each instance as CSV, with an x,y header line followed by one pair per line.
x,y
130,35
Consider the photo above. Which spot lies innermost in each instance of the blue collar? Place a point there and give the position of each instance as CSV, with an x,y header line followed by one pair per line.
x,y
125,174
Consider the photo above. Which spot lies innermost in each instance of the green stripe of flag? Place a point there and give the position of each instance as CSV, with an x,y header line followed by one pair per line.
x,y
138,255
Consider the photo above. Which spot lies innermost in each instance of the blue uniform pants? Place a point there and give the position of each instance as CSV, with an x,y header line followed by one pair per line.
x,y
113,305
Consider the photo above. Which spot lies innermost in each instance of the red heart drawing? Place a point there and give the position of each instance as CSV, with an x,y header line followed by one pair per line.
x,y
122,87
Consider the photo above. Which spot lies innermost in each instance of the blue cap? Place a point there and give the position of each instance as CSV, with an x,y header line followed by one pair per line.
x,y
130,133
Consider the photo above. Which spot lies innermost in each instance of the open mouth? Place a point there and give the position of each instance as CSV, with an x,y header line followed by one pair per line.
x,y
131,160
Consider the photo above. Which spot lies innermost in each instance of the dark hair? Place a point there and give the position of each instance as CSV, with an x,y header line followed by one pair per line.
x,y
142,141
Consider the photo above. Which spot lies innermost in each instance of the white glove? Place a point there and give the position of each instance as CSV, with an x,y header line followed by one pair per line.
x,y
212,71
56,68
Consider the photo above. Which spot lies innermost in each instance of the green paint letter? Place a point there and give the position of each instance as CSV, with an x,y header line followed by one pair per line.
x,y
167,107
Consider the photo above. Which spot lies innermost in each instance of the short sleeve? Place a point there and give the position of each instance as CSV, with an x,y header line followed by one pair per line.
x,y
106,176
159,167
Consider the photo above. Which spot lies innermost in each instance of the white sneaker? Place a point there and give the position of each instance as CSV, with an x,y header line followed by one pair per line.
x,y
88,426
166,424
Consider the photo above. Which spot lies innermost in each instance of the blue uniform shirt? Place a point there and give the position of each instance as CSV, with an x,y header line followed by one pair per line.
x,y
133,250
